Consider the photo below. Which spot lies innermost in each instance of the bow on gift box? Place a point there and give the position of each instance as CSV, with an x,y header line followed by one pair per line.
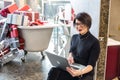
x,y
37,23
4,12
9,9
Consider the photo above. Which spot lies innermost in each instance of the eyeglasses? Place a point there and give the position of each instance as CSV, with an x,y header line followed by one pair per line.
x,y
79,24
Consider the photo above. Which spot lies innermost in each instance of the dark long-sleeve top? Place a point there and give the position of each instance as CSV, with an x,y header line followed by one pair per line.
x,y
85,49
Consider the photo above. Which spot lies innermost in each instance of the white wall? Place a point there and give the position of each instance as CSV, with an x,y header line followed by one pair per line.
x,y
92,7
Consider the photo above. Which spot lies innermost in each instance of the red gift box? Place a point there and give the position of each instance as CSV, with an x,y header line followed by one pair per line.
x,y
9,9
24,8
14,31
22,43
32,16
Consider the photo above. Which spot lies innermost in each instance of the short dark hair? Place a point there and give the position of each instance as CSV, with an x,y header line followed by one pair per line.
x,y
84,18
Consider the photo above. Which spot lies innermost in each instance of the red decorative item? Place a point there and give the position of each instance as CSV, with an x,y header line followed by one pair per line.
x,y
14,31
32,16
37,23
22,43
9,9
24,8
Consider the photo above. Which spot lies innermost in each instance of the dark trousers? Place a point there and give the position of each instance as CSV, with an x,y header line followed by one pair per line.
x,y
59,74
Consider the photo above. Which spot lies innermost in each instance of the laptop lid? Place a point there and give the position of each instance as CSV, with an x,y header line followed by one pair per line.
x,y
62,62
57,61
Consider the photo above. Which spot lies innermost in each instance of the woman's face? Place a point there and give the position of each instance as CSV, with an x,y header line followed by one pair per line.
x,y
81,28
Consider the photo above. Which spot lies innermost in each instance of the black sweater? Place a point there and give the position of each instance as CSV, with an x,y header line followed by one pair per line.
x,y
85,49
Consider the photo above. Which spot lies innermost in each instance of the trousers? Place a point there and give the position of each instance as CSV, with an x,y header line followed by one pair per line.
x,y
59,74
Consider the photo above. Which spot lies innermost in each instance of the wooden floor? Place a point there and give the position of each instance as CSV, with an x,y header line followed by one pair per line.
x,y
33,69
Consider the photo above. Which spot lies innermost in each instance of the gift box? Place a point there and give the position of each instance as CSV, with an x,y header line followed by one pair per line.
x,y
32,16
17,19
20,20
14,41
13,31
14,19
21,42
24,21
9,9
24,8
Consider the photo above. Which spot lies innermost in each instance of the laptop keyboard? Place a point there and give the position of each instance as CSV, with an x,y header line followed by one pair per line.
x,y
77,66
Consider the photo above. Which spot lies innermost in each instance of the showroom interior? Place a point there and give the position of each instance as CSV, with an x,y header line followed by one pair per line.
x,y
31,62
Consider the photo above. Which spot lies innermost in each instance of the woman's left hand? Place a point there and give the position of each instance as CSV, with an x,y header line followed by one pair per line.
x,y
73,72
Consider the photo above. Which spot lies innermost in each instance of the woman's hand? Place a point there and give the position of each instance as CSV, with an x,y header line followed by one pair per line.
x,y
70,59
74,72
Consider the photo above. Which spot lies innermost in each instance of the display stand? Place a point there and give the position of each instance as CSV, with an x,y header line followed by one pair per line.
x,y
63,40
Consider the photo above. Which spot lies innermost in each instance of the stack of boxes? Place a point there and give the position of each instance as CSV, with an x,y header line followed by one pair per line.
x,y
15,17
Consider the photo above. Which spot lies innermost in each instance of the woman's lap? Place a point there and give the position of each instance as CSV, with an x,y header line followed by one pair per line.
x,y
64,75
59,74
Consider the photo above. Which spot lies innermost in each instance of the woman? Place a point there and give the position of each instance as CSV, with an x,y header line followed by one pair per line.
x,y
84,50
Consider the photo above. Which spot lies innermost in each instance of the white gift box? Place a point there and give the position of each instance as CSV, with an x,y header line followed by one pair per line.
x,y
17,19
24,21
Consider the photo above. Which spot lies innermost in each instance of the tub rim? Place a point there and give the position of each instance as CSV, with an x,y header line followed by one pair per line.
x,y
39,27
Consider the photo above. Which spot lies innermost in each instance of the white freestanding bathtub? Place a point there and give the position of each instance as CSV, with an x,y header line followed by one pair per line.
x,y
36,38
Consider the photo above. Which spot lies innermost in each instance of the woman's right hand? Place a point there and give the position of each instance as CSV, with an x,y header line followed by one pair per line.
x,y
70,58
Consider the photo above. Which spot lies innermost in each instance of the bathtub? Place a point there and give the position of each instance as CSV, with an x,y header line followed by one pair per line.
x,y
36,38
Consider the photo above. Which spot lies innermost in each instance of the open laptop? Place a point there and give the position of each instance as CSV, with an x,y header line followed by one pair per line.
x,y
62,62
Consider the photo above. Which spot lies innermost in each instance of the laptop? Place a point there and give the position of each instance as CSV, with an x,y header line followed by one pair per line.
x,y
62,62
